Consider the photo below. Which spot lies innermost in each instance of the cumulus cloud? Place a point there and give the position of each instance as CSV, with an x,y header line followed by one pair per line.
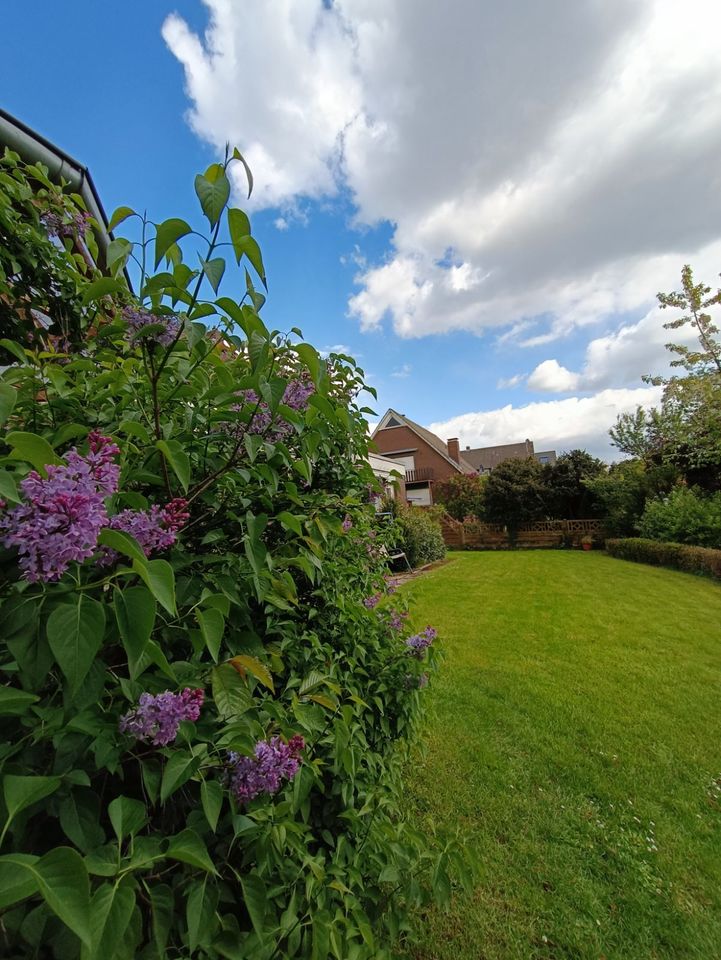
x,y
402,372
556,165
559,425
550,376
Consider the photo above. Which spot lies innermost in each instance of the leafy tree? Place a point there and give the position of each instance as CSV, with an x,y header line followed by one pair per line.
x,y
462,495
684,516
620,493
515,493
568,496
685,431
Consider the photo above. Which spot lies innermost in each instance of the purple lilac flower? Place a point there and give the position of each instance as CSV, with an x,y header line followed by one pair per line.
x,y
397,619
391,586
347,523
274,761
63,514
57,227
155,529
411,682
418,643
157,718
370,602
139,320
297,394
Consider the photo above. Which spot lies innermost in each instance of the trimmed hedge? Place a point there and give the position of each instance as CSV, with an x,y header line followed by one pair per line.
x,y
679,556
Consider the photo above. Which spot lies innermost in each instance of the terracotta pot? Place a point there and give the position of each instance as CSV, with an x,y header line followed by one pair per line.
x,y
586,546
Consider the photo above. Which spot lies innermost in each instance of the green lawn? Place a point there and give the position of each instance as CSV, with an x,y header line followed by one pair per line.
x,y
576,737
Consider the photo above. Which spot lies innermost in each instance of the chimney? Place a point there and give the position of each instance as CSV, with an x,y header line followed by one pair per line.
x,y
453,449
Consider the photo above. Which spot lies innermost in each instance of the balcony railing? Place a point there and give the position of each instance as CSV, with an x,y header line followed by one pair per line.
x,y
422,473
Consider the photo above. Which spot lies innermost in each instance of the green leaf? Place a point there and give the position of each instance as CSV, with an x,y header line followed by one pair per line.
x,y
8,487
33,449
121,542
178,770
237,155
62,879
16,883
200,910
13,703
310,358
22,792
169,232
117,255
122,213
211,797
75,634
231,696
213,190
101,288
8,396
111,909
189,848
178,459
214,270
79,818
212,627
135,611
15,349
163,904
248,246
239,227
254,666
256,901
127,816
159,577
290,522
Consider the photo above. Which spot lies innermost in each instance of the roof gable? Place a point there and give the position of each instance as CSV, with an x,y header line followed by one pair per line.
x,y
391,418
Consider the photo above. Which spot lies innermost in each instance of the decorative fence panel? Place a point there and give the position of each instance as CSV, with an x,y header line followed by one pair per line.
x,y
474,535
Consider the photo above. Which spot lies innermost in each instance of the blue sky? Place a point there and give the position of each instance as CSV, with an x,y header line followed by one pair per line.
x,y
486,236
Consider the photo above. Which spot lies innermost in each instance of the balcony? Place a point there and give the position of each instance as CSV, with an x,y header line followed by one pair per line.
x,y
419,475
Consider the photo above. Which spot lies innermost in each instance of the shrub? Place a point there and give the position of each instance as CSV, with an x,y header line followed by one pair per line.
x,y
515,493
461,495
568,495
421,535
203,723
679,556
684,516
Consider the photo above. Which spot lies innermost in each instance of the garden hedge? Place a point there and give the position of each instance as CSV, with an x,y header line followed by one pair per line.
x,y
679,556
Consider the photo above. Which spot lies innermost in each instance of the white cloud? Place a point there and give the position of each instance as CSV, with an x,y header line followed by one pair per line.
x,y
401,373
619,358
280,223
509,382
551,377
536,160
559,425
337,348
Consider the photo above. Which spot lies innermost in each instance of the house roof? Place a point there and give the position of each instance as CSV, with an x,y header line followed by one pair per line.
x,y
430,438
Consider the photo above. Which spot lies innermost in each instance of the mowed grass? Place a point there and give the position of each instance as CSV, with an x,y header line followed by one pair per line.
x,y
575,737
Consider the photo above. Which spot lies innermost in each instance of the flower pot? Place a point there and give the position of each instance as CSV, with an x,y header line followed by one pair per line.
x,y
586,546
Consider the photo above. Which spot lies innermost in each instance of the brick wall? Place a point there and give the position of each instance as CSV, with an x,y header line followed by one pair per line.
x,y
396,439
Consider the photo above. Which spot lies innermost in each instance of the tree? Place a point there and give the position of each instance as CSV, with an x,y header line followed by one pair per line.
x,y
515,493
568,497
685,431
462,495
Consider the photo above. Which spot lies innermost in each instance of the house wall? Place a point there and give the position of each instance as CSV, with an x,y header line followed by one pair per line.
x,y
393,439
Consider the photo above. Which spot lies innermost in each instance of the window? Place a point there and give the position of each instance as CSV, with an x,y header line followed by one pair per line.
x,y
392,422
544,459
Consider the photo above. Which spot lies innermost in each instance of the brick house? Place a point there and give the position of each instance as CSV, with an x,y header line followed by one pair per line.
x,y
427,459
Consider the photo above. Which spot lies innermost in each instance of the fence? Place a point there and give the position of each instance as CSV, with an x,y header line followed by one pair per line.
x,y
474,535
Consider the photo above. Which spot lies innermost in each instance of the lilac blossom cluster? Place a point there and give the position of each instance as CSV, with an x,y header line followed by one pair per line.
x,y
391,586
63,513
397,620
273,761
157,717
418,644
371,602
155,529
56,226
411,682
296,396
347,524
139,320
